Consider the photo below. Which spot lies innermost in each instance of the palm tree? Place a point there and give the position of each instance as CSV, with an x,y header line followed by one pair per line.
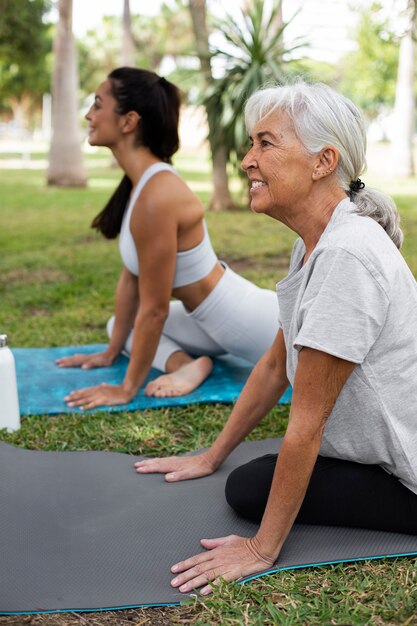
x,y
221,199
66,166
128,44
254,55
404,109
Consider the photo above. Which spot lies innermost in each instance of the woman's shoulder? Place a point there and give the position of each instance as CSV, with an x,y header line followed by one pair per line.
x,y
165,195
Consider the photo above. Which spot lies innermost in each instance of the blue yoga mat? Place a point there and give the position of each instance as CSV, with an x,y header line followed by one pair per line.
x,y
43,385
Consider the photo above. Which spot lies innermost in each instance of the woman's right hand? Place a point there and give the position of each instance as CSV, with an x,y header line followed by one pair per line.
x,y
178,468
86,361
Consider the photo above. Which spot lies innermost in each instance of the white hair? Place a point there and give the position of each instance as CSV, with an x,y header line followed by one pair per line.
x,y
320,117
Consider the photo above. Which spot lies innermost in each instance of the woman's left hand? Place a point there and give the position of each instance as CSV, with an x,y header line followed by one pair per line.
x,y
227,558
100,395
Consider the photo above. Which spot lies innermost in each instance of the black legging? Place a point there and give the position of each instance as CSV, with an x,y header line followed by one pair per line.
x,y
340,493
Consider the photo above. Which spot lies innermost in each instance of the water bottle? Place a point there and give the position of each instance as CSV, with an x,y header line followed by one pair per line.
x,y
9,400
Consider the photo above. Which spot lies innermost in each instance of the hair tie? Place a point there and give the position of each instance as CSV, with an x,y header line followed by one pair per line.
x,y
356,185
162,80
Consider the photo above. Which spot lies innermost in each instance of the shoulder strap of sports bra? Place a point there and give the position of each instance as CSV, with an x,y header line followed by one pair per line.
x,y
146,176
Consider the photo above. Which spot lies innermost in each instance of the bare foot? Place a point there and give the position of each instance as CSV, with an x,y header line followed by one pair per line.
x,y
182,381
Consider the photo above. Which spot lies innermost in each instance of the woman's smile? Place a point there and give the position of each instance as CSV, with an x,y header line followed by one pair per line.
x,y
256,185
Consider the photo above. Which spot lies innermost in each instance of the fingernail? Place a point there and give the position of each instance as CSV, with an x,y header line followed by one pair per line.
x,y
174,568
170,476
174,582
205,592
70,404
184,588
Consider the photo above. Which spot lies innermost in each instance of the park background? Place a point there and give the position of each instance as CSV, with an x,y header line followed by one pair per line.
x,y
57,276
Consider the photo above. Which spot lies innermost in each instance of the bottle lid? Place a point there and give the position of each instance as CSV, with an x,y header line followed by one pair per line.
x,y
3,341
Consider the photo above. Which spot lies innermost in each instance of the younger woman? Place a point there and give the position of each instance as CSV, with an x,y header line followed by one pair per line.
x,y
166,251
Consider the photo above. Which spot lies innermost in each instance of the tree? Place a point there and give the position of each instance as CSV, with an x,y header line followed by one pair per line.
x,y
367,75
66,166
128,43
155,37
221,198
25,44
404,109
254,55
99,53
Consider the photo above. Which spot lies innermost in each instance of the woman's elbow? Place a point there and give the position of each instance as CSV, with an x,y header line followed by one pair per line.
x,y
156,314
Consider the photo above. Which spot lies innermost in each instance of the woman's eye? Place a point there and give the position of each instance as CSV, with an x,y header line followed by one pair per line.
x,y
265,143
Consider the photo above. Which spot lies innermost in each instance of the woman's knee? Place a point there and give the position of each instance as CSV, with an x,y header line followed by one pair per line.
x,y
127,348
247,487
109,326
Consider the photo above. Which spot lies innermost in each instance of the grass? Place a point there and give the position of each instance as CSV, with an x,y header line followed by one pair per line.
x,y
57,280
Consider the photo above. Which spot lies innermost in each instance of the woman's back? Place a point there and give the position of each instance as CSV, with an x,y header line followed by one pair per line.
x,y
193,263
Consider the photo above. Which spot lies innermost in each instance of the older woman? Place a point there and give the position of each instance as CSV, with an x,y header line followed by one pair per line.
x,y
347,344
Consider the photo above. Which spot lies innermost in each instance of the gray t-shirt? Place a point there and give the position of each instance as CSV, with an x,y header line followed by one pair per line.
x,y
356,298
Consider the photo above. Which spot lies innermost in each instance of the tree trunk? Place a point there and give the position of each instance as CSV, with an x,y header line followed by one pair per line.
x,y
66,167
128,45
127,52
221,199
404,109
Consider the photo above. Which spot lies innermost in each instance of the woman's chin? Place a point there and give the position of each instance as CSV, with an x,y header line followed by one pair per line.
x,y
91,139
256,207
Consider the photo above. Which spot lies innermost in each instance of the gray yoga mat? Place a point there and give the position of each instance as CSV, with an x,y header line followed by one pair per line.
x,y
82,531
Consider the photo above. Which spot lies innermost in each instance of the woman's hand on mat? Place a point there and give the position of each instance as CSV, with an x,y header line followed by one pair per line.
x,y
100,395
178,468
86,361
226,558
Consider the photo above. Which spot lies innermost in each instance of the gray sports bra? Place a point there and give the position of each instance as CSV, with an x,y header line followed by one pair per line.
x,y
192,265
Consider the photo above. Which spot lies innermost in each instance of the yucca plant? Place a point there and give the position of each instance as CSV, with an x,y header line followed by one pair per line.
x,y
253,55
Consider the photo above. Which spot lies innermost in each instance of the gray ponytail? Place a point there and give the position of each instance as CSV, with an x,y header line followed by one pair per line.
x,y
381,207
321,117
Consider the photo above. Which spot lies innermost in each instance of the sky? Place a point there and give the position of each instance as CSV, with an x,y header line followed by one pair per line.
x,y
328,25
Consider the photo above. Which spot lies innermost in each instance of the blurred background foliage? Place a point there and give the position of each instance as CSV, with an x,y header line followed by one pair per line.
x,y
217,63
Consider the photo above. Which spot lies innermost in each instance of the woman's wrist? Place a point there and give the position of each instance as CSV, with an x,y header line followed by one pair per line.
x,y
211,460
214,456
266,548
112,353
130,389
133,380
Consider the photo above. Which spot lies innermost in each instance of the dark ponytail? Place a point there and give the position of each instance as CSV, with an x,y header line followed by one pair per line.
x,y
109,220
158,102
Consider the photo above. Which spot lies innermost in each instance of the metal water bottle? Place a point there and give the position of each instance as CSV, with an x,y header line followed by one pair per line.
x,y
9,400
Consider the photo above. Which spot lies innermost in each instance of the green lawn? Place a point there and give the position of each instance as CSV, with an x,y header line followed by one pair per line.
x,y
57,280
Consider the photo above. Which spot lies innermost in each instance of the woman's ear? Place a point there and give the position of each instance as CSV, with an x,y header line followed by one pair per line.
x,y
326,163
130,121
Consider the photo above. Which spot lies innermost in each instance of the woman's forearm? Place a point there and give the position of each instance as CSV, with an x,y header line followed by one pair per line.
x,y
126,308
265,385
318,381
146,336
292,474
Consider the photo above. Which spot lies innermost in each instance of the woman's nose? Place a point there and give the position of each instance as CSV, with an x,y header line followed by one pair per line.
x,y
248,160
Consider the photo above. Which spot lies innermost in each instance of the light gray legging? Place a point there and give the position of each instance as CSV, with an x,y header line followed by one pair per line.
x,y
237,317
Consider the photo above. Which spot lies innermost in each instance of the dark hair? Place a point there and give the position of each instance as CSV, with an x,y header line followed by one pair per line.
x,y
158,102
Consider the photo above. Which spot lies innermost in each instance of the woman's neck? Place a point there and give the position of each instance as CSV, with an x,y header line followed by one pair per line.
x,y
311,220
134,161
